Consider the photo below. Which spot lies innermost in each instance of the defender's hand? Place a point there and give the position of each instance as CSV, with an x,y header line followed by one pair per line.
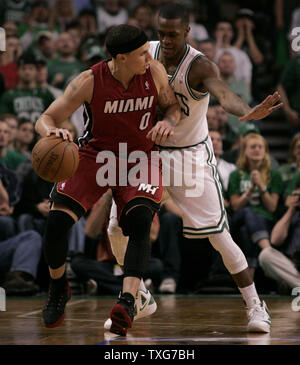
x,y
160,132
264,108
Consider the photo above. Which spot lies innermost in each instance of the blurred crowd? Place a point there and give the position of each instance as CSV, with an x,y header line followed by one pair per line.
x,y
254,44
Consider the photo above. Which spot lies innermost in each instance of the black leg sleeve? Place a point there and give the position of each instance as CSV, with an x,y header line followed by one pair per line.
x,y
55,241
138,224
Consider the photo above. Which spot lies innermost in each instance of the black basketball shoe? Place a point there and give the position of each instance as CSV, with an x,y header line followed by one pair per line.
x,y
54,309
122,314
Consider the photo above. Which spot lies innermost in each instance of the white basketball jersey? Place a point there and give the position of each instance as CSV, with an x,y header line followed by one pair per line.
x,y
192,128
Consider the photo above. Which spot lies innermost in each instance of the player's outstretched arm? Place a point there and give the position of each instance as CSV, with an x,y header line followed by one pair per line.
x,y
168,104
77,92
208,73
263,109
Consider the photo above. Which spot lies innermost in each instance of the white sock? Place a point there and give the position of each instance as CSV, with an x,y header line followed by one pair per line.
x,y
250,295
142,285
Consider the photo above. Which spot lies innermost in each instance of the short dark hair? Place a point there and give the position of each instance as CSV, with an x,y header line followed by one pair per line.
x,y
174,11
119,35
23,121
9,116
40,3
87,11
73,25
26,59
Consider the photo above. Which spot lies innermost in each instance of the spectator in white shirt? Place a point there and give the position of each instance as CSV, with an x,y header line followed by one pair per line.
x,y
224,167
111,13
224,35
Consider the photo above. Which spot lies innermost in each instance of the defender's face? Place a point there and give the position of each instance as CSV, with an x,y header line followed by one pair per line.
x,y
172,35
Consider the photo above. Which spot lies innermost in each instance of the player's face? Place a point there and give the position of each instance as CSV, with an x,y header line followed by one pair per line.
x,y
139,60
255,149
172,35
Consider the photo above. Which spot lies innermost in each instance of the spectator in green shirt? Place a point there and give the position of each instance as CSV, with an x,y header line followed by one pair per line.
x,y
9,158
293,185
292,167
254,190
233,154
64,68
289,89
26,100
39,19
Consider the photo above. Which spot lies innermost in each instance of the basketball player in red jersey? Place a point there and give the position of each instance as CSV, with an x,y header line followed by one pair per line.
x,y
120,96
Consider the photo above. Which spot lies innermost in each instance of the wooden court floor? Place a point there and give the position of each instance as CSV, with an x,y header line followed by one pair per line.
x,y
179,320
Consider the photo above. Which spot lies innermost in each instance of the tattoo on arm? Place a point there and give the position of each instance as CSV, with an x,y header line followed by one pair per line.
x,y
73,86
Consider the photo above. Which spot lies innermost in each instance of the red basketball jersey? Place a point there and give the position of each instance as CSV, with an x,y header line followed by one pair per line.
x,y
116,115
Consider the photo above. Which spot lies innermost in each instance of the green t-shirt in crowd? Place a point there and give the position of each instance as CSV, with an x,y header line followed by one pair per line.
x,y
12,159
26,103
288,171
293,185
240,182
290,79
15,11
68,69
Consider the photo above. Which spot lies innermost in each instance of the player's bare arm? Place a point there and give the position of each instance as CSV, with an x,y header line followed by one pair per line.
x,y
168,105
205,76
79,90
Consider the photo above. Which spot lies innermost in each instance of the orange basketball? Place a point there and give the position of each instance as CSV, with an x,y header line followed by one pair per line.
x,y
54,159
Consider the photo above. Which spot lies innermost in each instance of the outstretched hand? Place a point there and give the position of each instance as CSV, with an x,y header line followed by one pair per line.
x,y
265,108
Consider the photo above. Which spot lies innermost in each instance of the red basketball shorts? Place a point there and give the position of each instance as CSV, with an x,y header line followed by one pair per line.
x,y
130,177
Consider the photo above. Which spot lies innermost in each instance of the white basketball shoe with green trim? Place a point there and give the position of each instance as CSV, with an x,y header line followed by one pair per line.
x,y
145,305
259,319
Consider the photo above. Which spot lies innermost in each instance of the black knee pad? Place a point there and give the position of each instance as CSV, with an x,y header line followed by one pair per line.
x,y
138,224
55,240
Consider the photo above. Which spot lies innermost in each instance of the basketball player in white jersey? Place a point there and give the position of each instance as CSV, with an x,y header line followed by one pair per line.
x,y
193,77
